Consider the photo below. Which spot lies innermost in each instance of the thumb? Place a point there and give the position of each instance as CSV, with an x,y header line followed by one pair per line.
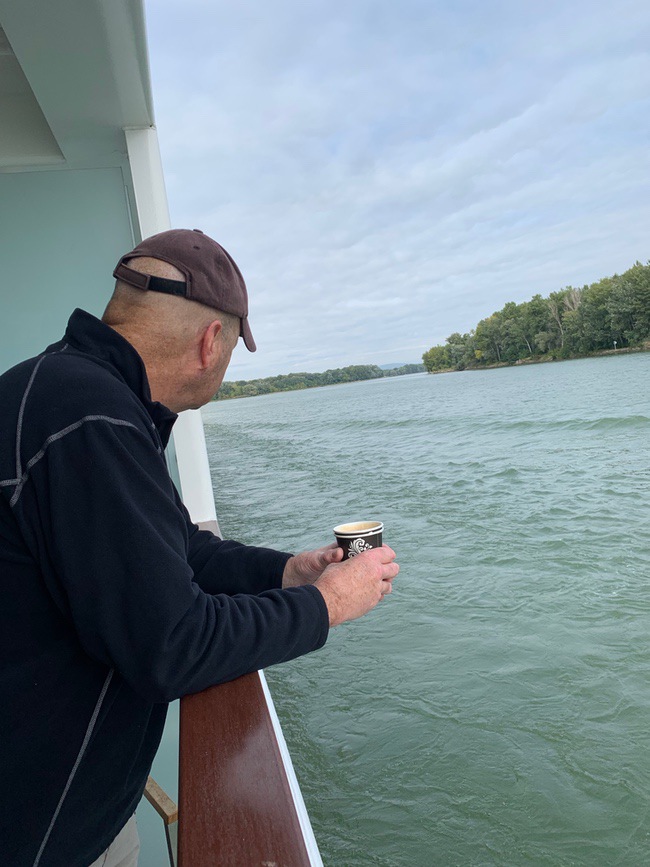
x,y
331,554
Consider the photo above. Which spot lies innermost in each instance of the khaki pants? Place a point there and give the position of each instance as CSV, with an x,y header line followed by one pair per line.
x,y
123,851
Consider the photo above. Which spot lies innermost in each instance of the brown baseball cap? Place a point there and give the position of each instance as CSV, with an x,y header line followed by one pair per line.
x,y
211,275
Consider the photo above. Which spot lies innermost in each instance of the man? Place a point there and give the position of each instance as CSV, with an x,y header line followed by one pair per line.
x,y
112,603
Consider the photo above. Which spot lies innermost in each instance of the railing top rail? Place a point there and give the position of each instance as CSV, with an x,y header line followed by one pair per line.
x,y
235,801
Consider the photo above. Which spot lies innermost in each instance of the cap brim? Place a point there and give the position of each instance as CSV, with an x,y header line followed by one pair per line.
x,y
247,334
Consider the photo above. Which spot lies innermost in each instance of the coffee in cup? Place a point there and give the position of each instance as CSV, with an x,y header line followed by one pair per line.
x,y
358,536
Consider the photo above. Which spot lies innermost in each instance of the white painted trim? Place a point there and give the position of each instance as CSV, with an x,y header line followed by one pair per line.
x,y
153,217
303,816
148,180
193,466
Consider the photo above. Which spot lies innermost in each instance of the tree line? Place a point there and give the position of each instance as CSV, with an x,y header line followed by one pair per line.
x,y
295,381
613,313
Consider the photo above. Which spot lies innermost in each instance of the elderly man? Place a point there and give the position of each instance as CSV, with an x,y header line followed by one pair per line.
x,y
112,602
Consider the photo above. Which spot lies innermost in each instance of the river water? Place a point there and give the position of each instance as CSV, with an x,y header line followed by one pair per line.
x,y
495,710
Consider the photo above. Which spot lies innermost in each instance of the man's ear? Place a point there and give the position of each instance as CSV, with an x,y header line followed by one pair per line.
x,y
209,343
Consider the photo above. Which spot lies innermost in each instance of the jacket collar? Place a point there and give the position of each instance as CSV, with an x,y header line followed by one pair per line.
x,y
93,337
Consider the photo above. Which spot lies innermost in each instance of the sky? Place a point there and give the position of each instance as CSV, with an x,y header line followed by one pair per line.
x,y
386,173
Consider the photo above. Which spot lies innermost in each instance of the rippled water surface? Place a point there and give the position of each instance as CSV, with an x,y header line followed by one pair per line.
x,y
496,708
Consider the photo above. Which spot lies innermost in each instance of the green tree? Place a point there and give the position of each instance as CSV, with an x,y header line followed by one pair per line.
x,y
456,348
437,358
532,320
595,318
629,304
489,338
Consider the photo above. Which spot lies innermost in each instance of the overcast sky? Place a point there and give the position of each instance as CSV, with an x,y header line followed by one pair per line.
x,y
386,173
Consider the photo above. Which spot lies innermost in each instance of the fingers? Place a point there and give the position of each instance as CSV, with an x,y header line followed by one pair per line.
x,y
390,571
383,563
354,587
383,554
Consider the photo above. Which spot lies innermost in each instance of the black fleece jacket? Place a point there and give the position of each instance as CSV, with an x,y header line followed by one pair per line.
x,y
112,603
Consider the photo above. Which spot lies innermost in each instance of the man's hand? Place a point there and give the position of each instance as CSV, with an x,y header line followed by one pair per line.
x,y
307,567
353,588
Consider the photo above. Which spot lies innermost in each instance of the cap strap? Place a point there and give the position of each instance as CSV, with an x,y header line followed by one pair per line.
x,y
146,281
169,287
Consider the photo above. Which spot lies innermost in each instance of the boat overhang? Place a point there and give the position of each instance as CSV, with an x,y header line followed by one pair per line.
x,y
80,171
71,83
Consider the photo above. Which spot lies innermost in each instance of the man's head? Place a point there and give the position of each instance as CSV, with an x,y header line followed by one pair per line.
x,y
181,301
208,273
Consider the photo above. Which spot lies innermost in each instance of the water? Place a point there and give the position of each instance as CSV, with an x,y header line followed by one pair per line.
x,y
495,710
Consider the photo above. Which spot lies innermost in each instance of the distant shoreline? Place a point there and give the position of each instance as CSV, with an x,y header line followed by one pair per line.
x,y
286,385
627,350
302,381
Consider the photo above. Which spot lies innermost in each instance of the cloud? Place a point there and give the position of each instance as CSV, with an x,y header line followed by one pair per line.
x,y
385,174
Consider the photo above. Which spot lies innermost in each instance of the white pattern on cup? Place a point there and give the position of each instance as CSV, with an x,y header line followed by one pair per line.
x,y
358,546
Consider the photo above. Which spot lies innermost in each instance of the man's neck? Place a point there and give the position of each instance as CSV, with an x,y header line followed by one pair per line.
x,y
161,372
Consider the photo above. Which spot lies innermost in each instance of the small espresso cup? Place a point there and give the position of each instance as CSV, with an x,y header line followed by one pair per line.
x,y
358,536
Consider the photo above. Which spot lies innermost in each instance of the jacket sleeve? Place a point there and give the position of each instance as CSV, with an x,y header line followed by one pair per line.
x,y
224,566
117,565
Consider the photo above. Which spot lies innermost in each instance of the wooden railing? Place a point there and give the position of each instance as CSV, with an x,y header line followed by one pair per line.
x,y
236,806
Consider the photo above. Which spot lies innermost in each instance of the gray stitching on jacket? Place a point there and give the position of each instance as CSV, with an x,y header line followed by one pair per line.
x,y
21,411
57,436
84,745
157,436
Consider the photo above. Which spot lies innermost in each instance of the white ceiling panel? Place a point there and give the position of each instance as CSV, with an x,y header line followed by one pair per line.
x,y
73,75
25,137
